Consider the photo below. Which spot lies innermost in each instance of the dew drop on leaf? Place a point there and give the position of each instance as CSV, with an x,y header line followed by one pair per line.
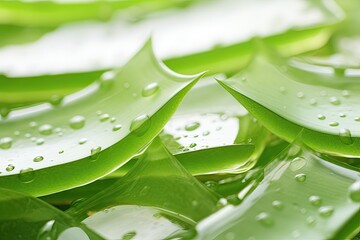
x,y
333,124
345,136
310,220
192,126
77,122
55,100
117,127
150,89
315,200
140,124
277,204
301,177
27,175
264,218
321,117
6,142
300,95
326,211
46,129
10,167
107,78
33,124
334,101
38,159
40,141
104,117
192,145
128,235
95,152
297,163
354,191
83,141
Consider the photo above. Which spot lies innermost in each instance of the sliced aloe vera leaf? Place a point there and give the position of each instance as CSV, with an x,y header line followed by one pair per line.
x,y
53,13
26,217
303,195
157,180
92,132
136,222
285,102
301,32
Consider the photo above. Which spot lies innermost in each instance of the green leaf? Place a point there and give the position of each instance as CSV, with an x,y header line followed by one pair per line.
x,y
46,148
303,195
157,180
136,222
287,99
25,217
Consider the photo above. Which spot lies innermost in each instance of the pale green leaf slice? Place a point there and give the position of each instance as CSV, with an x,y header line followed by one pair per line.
x,y
47,148
157,180
26,217
303,195
287,99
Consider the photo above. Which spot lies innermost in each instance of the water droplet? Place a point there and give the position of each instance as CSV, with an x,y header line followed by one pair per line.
x,y
150,89
40,141
127,85
192,145
294,151
277,204
315,200
55,100
296,234
333,124
342,115
345,136
17,133
33,139
205,133
104,117
113,119
95,152
354,191
128,235
77,122
38,159
321,117
212,184
10,167
326,211
140,125
27,175
301,177
107,78
300,95
357,119
46,129
6,142
4,112
117,127
61,151
297,163
313,101
334,101
83,141
264,218
310,220
33,124
98,112
192,126
345,93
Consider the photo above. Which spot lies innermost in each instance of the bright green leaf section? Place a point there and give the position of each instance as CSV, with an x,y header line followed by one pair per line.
x,y
157,180
287,99
25,217
303,195
45,149
53,13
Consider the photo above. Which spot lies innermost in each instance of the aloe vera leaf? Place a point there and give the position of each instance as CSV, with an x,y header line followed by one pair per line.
x,y
157,180
92,132
136,222
303,194
26,217
285,102
302,33
53,13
